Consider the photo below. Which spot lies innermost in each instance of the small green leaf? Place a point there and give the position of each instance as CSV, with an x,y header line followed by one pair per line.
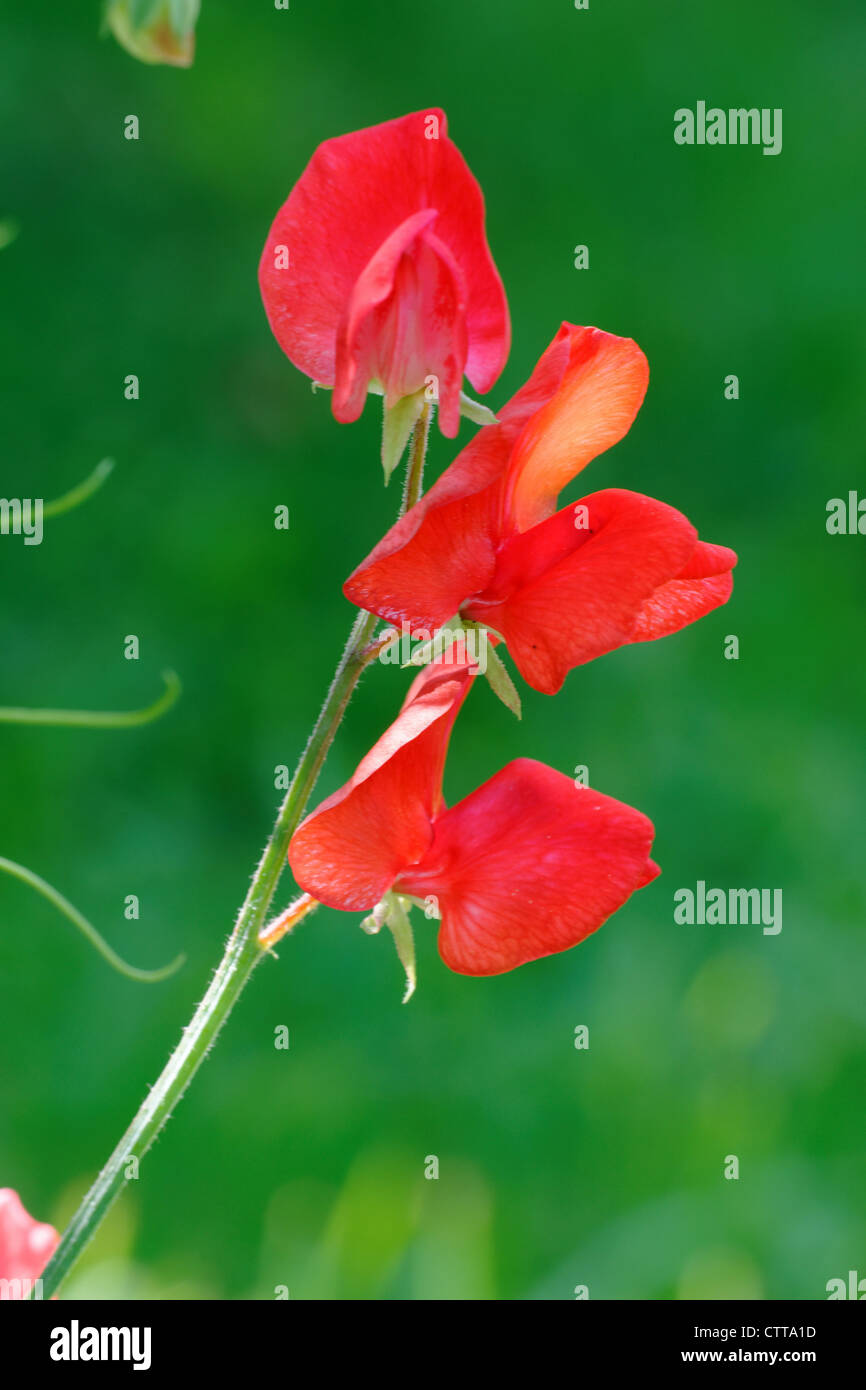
x,y
374,923
391,912
475,411
437,646
397,426
500,682
401,930
155,31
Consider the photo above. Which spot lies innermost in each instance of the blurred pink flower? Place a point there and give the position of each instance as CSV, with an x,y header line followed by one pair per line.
x,y
26,1246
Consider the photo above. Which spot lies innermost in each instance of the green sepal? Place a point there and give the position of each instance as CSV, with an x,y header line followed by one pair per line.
x,y
397,426
391,913
476,412
500,681
438,645
401,929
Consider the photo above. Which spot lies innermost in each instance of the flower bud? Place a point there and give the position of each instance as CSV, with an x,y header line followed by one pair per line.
x,y
155,31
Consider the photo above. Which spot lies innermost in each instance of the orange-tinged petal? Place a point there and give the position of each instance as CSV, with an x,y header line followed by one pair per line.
x,y
603,384
443,550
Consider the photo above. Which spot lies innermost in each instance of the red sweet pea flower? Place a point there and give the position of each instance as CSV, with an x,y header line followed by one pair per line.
x,y
26,1246
527,865
377,270
561,587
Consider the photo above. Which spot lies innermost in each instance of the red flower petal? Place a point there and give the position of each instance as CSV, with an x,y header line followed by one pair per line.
x,y
528,865
705,583
357,192
565,594
406,319
559,595
443,550
26,1245
601,388
348,852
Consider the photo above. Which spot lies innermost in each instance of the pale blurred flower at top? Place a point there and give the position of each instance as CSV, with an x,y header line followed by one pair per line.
x,y
155,31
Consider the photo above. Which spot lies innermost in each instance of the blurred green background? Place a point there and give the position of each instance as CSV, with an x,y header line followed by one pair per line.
x,y
557,1167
